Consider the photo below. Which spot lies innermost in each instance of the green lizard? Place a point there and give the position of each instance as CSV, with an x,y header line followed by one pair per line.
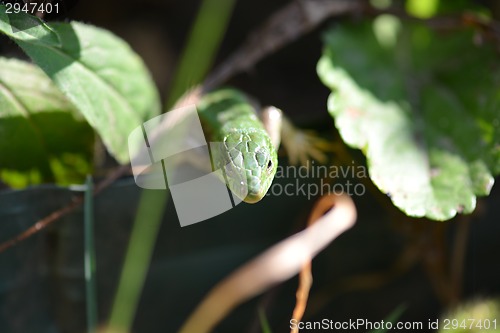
x,y
251,140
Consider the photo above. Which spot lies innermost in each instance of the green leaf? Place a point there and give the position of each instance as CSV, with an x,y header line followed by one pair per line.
x,y
42,136
392,318
28,28
424,110
422,8
100,75
264,323
474,316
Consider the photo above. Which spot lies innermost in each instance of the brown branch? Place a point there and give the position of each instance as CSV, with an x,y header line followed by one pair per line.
x,y
277,264
459,251
305,276
435,263
302,295
56,215
41,224
283,27
408,258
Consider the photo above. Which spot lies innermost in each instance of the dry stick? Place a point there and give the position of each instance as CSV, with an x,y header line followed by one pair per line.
x,y
283,27
56,215
434,261
286,25
41,224
279,263
305,276
302,295
369,281
458,258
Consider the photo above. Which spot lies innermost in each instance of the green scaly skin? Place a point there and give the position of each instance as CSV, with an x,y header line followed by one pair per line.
x,y
247,154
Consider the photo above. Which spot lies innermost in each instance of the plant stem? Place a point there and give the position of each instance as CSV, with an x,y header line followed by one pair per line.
x,y
151,207
89,257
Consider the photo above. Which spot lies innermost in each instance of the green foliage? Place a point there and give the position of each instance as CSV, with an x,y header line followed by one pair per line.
x,y
423,107
422,8
428,8
97,71
90,257
459,6
205,36
28,28
42,136
392,318
476,316
264,323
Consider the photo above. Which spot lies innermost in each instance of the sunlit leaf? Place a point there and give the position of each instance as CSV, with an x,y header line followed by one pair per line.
x,y
422,8
43,138
425,110
97,71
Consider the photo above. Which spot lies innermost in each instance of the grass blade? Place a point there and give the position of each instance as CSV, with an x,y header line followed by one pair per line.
x,y
89,257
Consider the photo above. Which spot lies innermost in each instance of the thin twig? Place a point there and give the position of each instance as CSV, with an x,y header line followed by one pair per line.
x,y
283,27
408,258
42,224
434,261
277,264
458,257
305,276
56,215
302,295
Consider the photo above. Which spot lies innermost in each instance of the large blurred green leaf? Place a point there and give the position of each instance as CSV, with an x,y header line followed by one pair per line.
x,y
424,107
97,71
42,136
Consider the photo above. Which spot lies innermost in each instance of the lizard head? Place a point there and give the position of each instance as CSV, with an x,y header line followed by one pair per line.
x,y
249,161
